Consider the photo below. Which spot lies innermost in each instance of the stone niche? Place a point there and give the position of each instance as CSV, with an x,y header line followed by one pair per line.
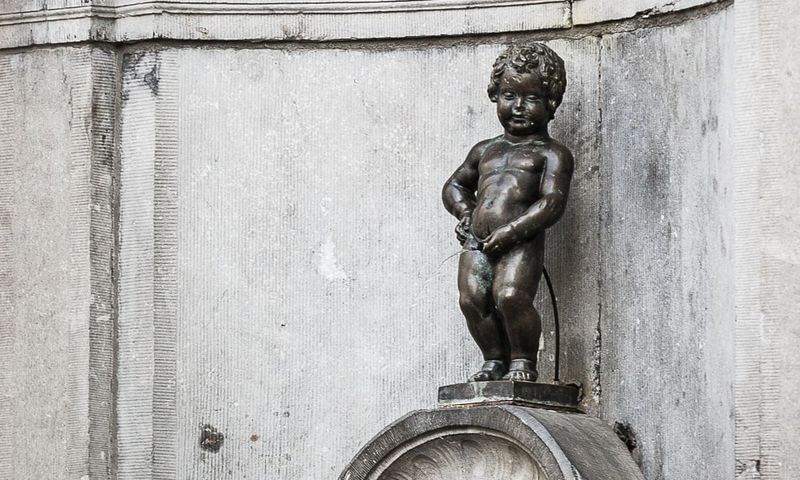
x,y
498,442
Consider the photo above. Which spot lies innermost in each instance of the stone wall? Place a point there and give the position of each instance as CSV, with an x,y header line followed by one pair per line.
x,y
248,236
666,242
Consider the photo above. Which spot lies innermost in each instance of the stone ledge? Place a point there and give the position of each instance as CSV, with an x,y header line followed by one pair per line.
x,y
271,21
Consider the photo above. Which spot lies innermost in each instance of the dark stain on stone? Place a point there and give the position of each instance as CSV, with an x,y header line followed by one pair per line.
x,y
625,433
151,79
653,177
591,171
254,438
210,438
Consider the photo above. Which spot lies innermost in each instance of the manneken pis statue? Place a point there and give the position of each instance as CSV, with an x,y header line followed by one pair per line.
x,y
505,194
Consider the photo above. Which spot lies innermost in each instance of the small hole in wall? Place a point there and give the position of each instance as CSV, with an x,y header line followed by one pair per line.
x,y
210,438
625,433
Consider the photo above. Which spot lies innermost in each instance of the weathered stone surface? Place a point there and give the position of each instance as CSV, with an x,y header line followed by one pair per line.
x,y
596,11
767,229
667,245
56,247
499,442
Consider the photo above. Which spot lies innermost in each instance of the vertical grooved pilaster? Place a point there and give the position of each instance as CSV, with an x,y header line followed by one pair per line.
x,y
136,270
748,317
80,69
146,404
102,321
165,251
767,253
7,180
93,79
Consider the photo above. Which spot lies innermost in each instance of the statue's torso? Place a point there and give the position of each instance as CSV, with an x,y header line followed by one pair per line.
x,y
509,183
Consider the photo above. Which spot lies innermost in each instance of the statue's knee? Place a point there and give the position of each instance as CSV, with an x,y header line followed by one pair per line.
x,y
510,298
472,301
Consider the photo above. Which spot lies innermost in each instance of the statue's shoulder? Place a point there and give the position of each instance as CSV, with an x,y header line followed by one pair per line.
x,y
559,153
480,148
484,144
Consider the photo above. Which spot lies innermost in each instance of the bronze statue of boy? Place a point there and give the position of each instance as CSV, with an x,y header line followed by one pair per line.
x,y
505,194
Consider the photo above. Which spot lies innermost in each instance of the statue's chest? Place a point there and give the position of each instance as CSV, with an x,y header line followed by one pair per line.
x,y
518,161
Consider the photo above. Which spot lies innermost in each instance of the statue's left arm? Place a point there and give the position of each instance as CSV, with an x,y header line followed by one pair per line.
x,y
553,200
544,212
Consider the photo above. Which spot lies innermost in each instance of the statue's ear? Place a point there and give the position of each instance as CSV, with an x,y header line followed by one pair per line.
x,y
553,107
492,93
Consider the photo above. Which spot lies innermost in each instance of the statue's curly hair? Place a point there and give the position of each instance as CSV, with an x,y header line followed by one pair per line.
x,y
534,58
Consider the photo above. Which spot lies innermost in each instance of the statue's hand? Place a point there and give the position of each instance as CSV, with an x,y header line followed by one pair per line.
x,y
501,240
464,229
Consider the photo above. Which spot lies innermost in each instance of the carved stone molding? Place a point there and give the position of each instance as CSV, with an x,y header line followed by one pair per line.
x,y
501,442
41,22
470,454
128,21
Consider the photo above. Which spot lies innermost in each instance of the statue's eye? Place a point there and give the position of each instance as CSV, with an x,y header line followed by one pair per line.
x,y
508,96
532,99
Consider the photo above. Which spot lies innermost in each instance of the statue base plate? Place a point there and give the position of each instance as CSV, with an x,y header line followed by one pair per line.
x,y
529,394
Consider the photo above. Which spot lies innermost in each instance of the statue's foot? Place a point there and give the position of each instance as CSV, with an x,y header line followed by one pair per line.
x,y
522,370
491,370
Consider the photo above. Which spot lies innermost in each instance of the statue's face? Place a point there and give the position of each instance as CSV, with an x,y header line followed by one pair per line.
x,y
522,103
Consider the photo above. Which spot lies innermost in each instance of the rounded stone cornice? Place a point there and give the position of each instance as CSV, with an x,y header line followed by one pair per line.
x,y
38,22
264,20
502,442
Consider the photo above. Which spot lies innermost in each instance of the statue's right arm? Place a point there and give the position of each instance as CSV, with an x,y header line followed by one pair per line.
x,y
458,193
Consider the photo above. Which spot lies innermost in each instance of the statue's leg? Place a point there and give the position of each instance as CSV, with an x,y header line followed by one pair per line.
x,y
475,274
516,280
